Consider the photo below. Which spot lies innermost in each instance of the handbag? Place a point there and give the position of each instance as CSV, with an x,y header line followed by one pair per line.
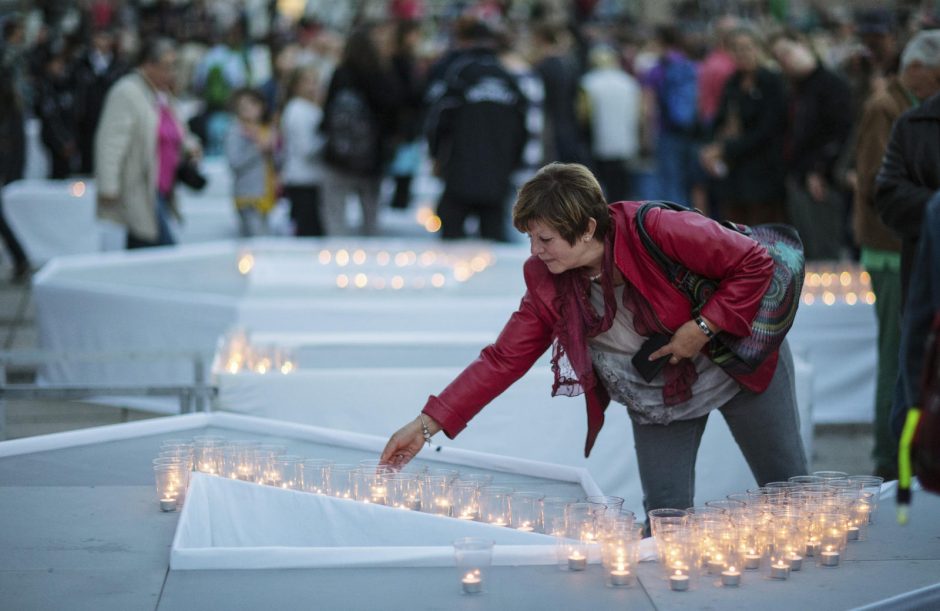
x,y
187,172
739,355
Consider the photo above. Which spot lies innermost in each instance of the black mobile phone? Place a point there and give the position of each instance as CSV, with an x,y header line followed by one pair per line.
x,y
647,368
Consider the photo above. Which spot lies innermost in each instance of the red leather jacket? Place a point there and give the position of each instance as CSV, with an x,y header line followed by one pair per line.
x,y
703,246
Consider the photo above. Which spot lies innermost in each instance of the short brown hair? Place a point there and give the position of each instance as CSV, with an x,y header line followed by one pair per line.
x,y
565,196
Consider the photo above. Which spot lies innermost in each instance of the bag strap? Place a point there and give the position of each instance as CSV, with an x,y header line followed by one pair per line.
x,y
677,273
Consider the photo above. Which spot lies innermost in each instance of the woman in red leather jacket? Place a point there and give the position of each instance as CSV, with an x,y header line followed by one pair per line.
x,y
595,295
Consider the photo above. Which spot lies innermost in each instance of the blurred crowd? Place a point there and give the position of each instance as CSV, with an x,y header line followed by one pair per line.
x,y
748,111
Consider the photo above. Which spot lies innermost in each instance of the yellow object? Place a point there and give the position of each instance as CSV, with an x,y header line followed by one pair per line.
x,y
904,462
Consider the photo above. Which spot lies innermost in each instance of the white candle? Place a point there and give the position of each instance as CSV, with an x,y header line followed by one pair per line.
x,y
716,566
779,570
472,583
577,561
731,577
751,561
466,516
852,533
498,522
620,576
525,527
829,557
812,548
679,582
168,504
796,562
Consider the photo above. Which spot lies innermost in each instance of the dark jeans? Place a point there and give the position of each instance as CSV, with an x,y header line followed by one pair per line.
x,y
164,237
614,178
454,212
305,210
766,426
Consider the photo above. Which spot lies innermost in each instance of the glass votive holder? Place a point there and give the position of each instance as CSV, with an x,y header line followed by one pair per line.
x,y
265,455
184,455
778,566
289,469
170,482
612,504
871,484
473,557
620,553
732,508
831,475
494,505
829,529
450,474
806,479
764,495
614,522
570,550
403,491
476,479
435,494
342,480
661,520
316,475
207,454
554,507
465,500
525,510
240,459
370,484
678,558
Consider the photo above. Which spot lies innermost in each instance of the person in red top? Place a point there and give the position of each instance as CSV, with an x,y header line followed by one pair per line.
x,y
594,295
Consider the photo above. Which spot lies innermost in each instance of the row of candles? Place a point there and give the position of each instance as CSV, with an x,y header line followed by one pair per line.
x,y
771,529
435,267
825,285
238,355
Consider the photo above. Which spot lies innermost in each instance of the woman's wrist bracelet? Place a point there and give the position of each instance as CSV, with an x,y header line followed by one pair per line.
x,y
425,430
704,327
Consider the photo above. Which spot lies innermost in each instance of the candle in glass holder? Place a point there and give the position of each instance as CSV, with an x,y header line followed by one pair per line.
x,y
620,576
779,570
679,582
731,577
851,533
378,493
796,561
472,583
716,564
525,527
812,547
168,504
751,560
577,561
829,557
466,515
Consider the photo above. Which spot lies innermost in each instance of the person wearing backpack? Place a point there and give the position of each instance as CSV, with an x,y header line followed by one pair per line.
x,y
674,83
360,114
476,137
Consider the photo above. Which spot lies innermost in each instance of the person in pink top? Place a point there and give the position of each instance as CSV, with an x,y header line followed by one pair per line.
x,y
138,147
715,70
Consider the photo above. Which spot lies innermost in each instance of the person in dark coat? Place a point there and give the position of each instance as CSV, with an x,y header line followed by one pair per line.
x,y
12,162
746,155
561,76
819,127
476,136
55,107
909,177
95,71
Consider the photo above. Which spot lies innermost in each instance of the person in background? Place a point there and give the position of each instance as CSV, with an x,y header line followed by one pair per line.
x,y
919,78
476,137
674,83
745,158
301,147
138,147
55,108
595,294
94,73
359,119
12,162
561,73
250,146
408,149
819,127
610,105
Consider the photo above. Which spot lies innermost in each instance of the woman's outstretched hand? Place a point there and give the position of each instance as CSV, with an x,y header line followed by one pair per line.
x,y
406,442
687,341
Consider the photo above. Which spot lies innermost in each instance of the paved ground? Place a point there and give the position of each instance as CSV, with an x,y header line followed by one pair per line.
x,y
840,448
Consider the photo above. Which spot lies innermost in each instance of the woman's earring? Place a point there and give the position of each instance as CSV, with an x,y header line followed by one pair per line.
x,y
587,238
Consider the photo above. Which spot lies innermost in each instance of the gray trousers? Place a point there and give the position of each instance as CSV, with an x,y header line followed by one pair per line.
x,y
766,426
337,184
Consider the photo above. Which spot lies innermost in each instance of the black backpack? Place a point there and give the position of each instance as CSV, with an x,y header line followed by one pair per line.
x,y
352,132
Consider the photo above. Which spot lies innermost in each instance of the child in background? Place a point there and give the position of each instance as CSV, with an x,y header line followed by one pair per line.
x,y
249,147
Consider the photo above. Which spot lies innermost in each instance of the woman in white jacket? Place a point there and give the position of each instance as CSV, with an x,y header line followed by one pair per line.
x,y
301,170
